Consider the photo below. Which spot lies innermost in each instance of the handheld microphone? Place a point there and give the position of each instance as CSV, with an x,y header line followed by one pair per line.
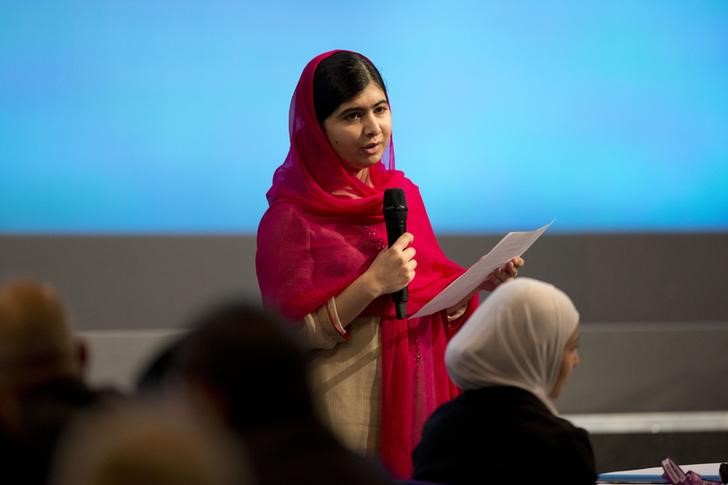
x,y
395,217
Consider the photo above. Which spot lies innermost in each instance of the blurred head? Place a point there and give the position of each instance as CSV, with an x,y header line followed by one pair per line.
x,y
37,345
525,334
248,367
140,443
351,105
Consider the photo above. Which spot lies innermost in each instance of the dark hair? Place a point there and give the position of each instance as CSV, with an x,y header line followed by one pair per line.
x,y
159,366
252,360
340,77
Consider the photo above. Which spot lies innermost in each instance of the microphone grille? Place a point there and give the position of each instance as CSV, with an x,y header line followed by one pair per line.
x,y
394,198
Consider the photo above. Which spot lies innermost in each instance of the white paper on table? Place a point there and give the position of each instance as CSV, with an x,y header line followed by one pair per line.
x,y
513,244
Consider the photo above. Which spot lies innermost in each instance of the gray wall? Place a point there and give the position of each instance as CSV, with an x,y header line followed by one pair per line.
x,y
654,306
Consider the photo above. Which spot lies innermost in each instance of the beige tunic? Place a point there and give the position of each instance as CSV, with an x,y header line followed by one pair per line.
x,y
345,376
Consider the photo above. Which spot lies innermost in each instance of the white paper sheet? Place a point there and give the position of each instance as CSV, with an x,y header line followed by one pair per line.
x,y
513,244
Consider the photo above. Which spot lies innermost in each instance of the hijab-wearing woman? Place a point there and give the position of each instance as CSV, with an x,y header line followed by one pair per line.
x,y
322,259
512,358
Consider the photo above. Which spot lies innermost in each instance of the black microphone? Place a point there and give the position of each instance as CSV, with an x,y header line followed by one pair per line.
x,y
395,217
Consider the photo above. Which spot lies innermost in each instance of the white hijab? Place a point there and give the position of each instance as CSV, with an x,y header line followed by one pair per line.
x,y
515,338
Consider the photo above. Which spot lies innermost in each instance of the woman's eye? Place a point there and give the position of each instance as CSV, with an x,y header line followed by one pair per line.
x,y
352,116
380,109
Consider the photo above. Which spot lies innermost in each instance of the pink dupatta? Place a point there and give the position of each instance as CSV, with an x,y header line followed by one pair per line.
x,y
312,244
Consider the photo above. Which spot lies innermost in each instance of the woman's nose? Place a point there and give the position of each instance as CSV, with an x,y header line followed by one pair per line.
x,y
371,125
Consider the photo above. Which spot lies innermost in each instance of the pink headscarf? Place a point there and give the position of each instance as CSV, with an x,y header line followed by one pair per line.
x,y
312,244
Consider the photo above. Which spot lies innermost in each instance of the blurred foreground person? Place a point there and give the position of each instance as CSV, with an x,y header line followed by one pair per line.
x,y
148,443
241,364
41,378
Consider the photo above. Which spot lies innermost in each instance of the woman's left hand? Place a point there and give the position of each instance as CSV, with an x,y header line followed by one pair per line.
x,y
506,273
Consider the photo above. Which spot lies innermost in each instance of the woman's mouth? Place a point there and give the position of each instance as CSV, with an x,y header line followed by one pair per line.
x,y
371,148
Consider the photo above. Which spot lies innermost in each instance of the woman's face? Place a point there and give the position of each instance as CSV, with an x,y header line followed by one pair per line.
x,y
568,362
360,128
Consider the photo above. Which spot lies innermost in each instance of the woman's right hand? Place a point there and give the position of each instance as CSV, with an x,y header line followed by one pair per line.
x,y
393,268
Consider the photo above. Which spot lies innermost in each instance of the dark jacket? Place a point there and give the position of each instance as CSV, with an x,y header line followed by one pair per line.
x,y
47,411
502,435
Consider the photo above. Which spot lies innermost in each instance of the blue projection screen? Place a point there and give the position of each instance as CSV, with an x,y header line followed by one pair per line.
x,y
170,117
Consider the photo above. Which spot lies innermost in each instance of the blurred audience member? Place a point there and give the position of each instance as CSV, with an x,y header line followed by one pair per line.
x,y
41,378
154,443
243,365
512,358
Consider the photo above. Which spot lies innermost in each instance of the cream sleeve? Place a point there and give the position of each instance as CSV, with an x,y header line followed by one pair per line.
x,y
322,328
